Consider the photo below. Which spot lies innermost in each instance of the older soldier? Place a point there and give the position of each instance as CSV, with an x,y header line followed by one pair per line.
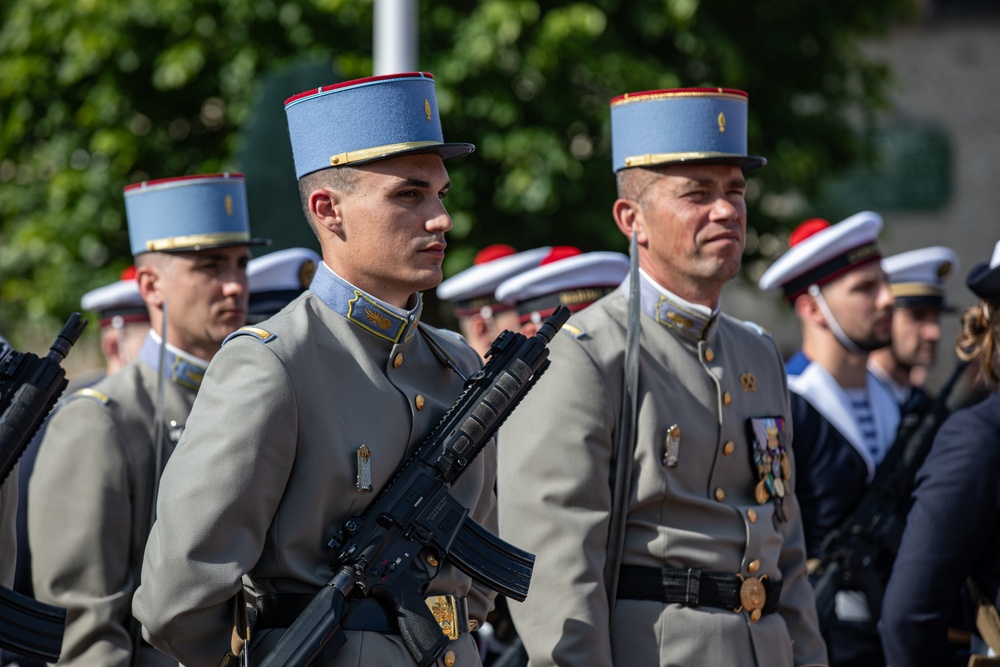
x,y
297,413
481,317
712,565
91,494
845,420
917,281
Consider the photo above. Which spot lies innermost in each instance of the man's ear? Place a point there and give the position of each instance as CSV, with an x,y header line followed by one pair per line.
x,y
808,310
628,216
149,278
325,206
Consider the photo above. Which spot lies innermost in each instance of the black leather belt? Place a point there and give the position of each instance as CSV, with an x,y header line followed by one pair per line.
x,y
695,588
281,609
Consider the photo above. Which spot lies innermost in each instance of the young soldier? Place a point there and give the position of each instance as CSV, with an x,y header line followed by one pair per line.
x,y
92,490
304,418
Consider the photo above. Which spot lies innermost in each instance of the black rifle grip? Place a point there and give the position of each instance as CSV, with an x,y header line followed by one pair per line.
x,y
420,630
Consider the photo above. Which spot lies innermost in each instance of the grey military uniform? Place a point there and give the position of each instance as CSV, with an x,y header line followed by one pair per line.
x,y
701,379
89,501
267,468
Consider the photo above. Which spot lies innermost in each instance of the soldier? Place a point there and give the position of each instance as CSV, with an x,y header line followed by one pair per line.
x,y
124,323
123,318
713,569
917,281
481,317
299,411
566,277
952,535
277,279
845,420
91,494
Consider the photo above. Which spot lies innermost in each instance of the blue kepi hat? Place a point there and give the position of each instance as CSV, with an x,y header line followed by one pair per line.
x,y
658,127
368,119
188,213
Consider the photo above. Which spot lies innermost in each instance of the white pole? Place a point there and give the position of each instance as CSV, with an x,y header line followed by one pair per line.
x,y
395,36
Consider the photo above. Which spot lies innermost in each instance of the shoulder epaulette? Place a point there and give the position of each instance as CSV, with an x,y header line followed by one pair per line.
x,y
263,335
576,332
90,392
754,327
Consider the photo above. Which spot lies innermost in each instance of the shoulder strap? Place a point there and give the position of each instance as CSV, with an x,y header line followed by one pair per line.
x,y
439,351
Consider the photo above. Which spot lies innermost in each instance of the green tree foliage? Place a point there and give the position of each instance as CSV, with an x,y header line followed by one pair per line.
x,y
97,94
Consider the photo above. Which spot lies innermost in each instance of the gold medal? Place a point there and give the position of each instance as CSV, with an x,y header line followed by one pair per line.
x,y
761,493
779,487
786,467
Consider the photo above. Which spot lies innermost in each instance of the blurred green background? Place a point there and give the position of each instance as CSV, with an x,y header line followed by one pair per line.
x,y
98,94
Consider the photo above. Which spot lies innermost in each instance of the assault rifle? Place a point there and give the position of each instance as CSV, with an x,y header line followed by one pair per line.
x,y
860,552
414,525
29,388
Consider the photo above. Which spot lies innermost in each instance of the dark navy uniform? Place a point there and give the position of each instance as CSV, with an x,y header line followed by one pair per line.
x,y
952,532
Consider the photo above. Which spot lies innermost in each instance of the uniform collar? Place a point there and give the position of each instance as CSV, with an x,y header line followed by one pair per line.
x,y
691,320
366,311
180,367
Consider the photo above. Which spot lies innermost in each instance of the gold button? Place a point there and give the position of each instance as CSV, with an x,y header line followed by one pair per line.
x,y
728,448
419,401
752,515
727,398
449,659
709,354
397,360
753,566
720,495
432,560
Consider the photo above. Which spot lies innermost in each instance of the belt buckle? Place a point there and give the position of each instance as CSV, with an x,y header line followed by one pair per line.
x,y
445,612
753,596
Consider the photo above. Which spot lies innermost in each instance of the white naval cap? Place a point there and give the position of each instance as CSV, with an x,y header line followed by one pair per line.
x,y
984,278
566,277
821,252
277,278
118,303
917,277
473,289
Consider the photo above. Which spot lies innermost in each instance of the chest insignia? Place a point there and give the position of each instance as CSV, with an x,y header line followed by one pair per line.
x,y
770,460
748,382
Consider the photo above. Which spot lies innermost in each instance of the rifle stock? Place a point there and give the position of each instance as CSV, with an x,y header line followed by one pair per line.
x,y
414,525
29,389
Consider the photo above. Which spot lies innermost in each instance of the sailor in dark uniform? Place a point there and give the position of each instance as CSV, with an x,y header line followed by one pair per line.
x,y
952,532
845,420
917,280
278,278
565,277
481,318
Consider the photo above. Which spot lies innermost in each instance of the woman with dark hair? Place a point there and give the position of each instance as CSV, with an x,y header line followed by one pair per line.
x,y
953,530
